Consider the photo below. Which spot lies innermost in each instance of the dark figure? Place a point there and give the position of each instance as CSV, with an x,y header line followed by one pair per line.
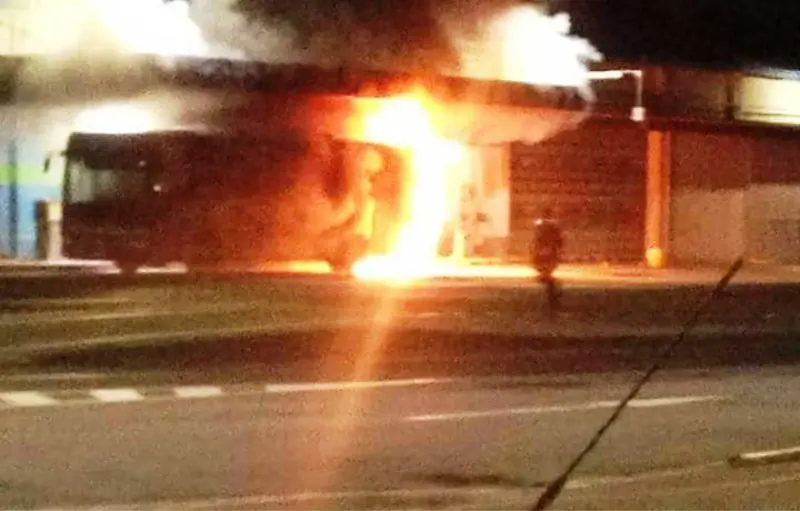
x,y
548,242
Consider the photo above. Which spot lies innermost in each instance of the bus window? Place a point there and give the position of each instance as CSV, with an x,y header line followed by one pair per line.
x,y
90,184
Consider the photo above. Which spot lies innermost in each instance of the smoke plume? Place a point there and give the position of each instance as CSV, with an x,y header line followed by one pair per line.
x,y
497,39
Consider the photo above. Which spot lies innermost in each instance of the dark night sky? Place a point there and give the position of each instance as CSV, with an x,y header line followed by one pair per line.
x,y
728,33
703,32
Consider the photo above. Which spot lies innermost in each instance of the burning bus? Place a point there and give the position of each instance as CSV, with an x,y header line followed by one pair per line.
x,y
213,198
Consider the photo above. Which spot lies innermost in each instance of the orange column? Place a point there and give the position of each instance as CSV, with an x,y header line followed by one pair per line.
x,y
658,198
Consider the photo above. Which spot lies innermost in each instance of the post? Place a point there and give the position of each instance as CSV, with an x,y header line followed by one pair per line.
x,y
639,112
658,198
13,198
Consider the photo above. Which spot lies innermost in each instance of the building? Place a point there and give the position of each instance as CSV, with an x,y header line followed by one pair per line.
x,y
673,166
709,173
44,105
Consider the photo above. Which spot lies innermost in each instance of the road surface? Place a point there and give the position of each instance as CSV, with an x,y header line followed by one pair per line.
x,y
399,443
238,393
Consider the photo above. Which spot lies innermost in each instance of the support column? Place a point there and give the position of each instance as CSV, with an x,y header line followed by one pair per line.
x,y
658,198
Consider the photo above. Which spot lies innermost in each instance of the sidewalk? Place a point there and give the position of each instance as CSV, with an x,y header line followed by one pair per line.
x,y
751,273
28,266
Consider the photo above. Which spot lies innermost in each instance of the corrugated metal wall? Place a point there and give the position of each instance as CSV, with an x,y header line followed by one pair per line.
x,y
735,194
594,179
709,171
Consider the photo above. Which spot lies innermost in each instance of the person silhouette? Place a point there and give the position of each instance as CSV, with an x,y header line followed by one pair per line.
x,y
548,242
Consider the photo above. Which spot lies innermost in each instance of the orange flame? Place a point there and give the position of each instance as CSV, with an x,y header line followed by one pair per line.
x,y
407,122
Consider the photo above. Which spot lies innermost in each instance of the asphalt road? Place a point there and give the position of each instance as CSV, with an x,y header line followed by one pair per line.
x,y
189,392
324,327
402,444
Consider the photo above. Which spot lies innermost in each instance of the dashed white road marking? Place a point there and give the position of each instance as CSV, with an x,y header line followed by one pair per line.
x,y
116,395
198,392
27,398
534,410
286,388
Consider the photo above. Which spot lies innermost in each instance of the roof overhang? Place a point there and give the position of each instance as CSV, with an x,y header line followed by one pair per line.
x,y
247,95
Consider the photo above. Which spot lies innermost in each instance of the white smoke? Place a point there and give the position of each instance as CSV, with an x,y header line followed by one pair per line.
x,y
96,27
158,28
500,40
228,29
521,44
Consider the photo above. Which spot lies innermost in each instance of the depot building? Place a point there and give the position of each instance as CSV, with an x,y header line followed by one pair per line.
x,y
675,166
668,165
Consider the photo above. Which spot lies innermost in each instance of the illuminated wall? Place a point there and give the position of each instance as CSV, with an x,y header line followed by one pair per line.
x,y
709,173
769,100
23,145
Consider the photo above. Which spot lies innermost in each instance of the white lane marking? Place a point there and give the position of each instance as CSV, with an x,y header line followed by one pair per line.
x,y
179,335
116,395
733,485
297,498
760,455
197,392
286,388
27,398
593,482
140,313
52,376
670,401
70,302
534,410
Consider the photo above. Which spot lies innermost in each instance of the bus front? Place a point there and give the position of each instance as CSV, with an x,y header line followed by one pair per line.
x,y
109,198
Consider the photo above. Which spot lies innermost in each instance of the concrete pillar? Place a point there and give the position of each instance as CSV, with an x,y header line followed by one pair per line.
x,y
48,230
658,198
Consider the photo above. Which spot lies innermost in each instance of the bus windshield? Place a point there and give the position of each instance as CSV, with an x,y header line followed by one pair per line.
x,y
88,182
108,168
120,167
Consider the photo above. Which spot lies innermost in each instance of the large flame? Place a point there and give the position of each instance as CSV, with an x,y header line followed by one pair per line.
x,y
407,122
521,45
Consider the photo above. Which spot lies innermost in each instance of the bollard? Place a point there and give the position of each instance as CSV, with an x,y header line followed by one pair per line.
x,y
48,230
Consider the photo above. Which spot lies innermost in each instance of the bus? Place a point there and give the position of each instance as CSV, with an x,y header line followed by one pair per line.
x,y
212,199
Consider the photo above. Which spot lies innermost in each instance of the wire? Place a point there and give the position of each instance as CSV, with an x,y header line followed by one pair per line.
x,y
554,489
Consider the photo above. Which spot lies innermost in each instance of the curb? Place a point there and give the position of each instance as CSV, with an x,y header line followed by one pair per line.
x,y
756,458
